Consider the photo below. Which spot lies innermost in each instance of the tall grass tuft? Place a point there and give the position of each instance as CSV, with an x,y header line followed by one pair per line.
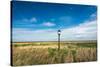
x,y
58,55
74,55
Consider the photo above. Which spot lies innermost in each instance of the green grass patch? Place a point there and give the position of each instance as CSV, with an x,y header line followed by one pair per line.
x,y
89,45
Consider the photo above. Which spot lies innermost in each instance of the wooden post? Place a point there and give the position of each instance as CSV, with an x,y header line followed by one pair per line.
x,y
58,42
59,32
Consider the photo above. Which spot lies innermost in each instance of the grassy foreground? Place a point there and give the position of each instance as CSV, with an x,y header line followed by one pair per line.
x,y
33,53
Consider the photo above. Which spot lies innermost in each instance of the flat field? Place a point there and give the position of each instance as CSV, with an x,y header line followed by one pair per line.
x,y
33,53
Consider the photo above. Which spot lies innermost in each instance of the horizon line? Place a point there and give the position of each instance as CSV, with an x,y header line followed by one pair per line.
x,y
52,41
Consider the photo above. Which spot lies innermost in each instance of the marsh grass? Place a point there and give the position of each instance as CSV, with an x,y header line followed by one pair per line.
x,y
73,55
58,55
23,55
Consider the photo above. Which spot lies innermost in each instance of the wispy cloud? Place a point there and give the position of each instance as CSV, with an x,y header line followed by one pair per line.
x,y
33,19
49,24
84,31
93,16
20,34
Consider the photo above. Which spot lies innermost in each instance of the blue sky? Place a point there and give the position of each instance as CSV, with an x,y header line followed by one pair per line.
x,y
34,21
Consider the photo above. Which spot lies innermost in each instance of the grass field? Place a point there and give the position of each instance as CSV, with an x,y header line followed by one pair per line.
x,y
33,53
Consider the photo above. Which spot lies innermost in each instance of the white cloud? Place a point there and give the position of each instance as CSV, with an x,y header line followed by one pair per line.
x,y
84,31
49,24
93,16
33,19
30,35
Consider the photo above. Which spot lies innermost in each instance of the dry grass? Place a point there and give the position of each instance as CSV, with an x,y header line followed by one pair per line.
x,y
33,55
